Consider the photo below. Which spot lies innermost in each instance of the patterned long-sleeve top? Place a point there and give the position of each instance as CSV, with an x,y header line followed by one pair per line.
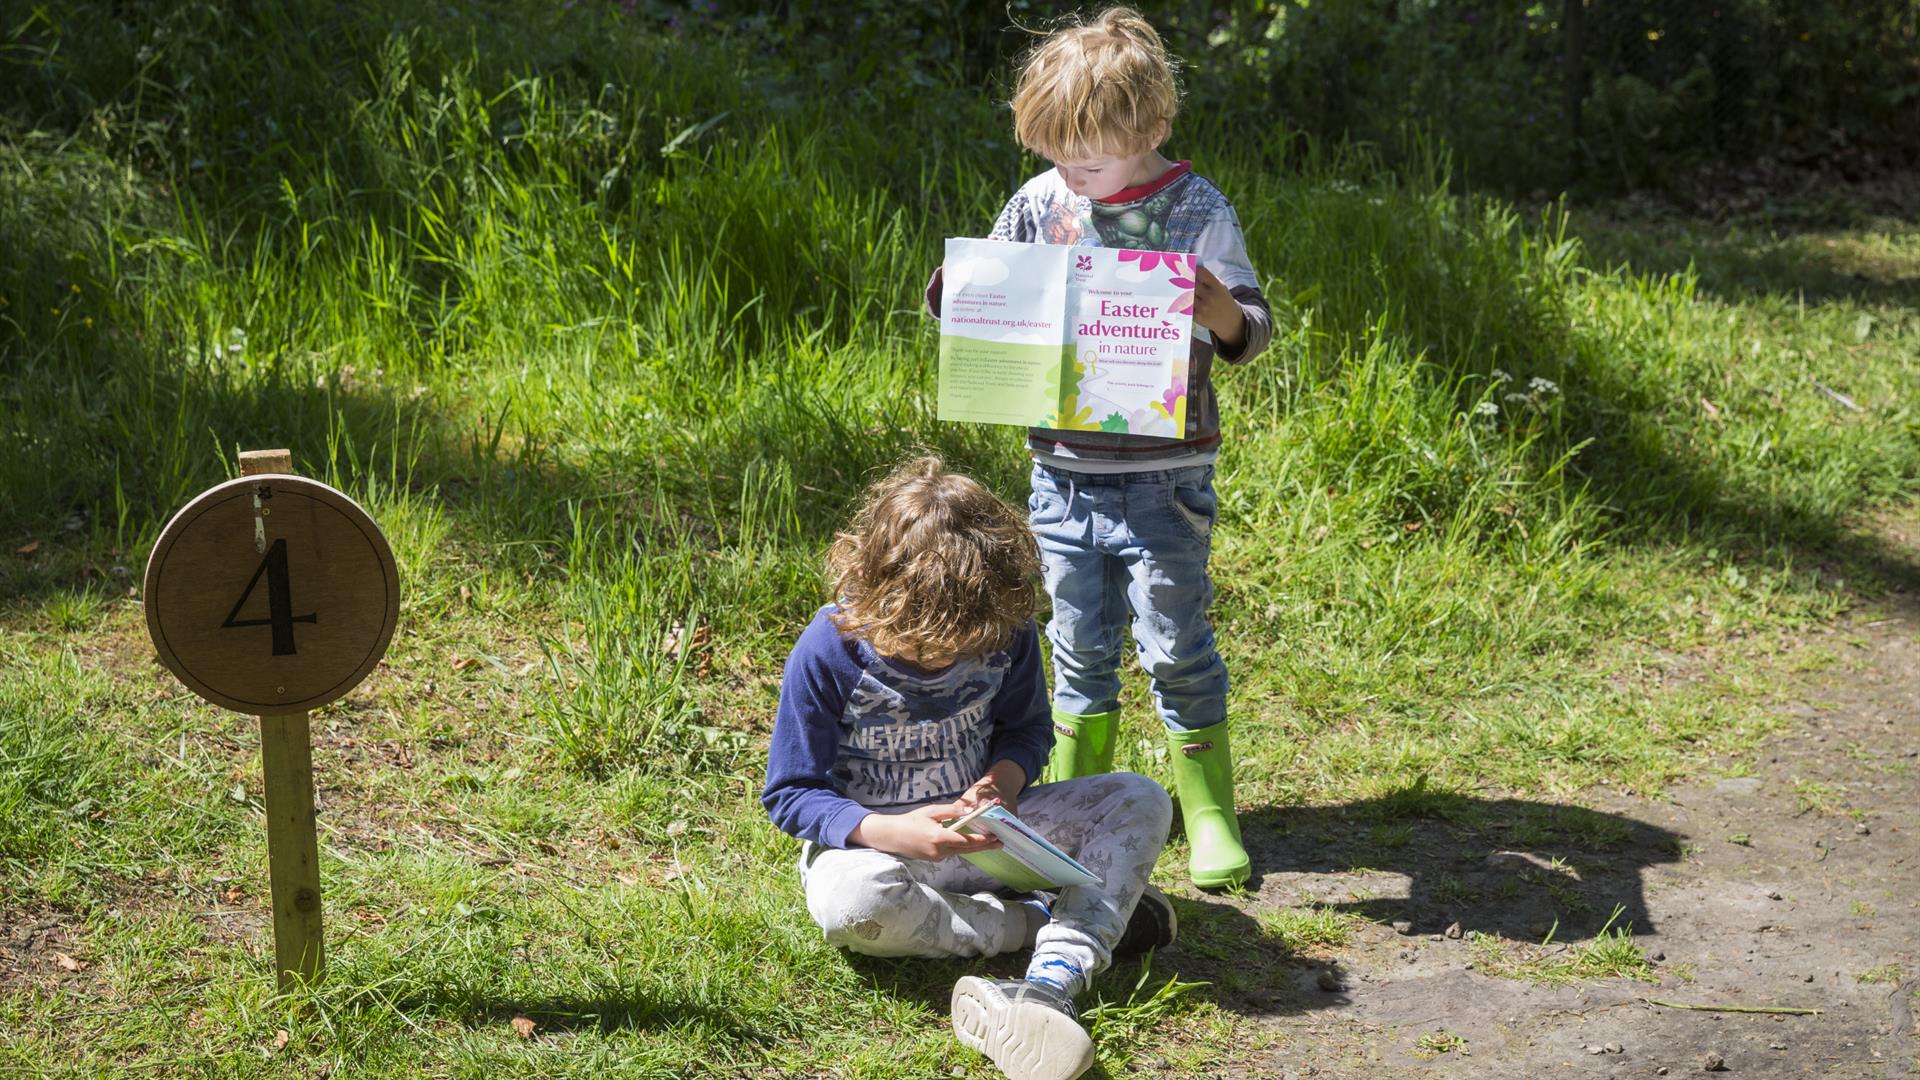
x,y
857,733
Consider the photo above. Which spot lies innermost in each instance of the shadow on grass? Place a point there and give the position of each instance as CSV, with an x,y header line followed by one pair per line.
x,y
1515,868
1811,264
108,509
1863,258
619,1009
1236,963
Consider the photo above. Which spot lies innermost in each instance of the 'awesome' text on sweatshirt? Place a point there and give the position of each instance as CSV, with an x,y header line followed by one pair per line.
x,y
857,733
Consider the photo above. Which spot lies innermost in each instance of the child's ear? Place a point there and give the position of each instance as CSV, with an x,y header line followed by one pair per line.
x,y
1161,133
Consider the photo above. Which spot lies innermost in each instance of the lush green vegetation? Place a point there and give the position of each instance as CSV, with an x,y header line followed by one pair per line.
x,y
608,324
1531,94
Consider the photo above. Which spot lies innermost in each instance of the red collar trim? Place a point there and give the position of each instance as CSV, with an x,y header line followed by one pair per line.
x,y
1140,191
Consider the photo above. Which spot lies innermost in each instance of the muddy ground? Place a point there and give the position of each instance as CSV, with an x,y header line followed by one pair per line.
x,y
1796,886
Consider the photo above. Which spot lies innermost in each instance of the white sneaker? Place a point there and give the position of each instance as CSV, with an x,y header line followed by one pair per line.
x,y
1028,1029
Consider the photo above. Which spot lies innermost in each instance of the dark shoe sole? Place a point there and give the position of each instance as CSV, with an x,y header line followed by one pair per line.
x,y
1169,930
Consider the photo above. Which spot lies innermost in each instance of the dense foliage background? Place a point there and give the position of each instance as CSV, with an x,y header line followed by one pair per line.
x,y
1604,94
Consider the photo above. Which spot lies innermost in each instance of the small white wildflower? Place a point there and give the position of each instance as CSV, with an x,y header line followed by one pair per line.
x,y
1543,387
1500,376
1518,399
1487,409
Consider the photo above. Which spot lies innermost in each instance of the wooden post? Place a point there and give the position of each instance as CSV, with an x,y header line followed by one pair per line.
x,y
293,841
271,594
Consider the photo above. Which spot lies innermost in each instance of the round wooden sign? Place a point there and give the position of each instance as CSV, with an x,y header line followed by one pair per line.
x,y
271,594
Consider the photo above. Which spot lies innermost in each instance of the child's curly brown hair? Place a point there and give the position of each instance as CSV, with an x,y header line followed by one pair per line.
x,y
935,568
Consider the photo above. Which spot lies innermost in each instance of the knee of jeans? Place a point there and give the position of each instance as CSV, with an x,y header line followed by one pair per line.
x,y
857,911
1179,662
1084,641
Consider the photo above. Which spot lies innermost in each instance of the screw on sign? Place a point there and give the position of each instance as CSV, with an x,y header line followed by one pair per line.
x,y
273,594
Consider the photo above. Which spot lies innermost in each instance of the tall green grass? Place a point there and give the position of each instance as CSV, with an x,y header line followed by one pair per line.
x,y
595,295
636,316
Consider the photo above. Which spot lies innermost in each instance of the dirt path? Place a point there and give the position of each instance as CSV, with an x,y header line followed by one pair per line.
x,y
1797,886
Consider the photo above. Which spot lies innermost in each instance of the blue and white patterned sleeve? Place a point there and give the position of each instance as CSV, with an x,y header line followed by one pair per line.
x,y
800,795
1022,721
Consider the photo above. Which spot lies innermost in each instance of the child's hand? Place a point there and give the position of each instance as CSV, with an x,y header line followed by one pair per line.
x,y
1003,782
919,834
1215,308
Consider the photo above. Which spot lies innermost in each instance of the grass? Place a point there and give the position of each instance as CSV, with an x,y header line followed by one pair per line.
x,y
608,327
1305,931
1813,796
1439,1041
1609,954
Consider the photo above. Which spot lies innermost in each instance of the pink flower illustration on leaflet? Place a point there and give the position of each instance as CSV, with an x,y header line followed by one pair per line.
x,y
1173,261
1180,272
1170,402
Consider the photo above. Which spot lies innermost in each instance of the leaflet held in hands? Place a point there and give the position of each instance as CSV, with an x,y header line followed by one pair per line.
x,y
1074,338
1024,860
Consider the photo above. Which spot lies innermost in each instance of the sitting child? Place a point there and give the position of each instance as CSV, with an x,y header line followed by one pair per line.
x,y
916,697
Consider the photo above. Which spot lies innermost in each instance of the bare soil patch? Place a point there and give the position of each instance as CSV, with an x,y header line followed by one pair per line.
x,y
1794,884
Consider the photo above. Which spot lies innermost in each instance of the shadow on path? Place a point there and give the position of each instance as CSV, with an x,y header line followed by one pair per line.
x,y
1511,867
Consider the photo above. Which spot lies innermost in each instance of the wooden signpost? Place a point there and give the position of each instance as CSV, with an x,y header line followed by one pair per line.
x,y
272,594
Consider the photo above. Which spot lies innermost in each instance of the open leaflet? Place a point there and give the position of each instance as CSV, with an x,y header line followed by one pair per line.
x,y
1074,338
1025,860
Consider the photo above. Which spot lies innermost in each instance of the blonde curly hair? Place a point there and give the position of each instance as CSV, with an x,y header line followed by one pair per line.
x,y
935,567
1104,88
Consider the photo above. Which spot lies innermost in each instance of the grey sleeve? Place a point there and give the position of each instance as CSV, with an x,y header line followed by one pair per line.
x,y
1223,249
1259,328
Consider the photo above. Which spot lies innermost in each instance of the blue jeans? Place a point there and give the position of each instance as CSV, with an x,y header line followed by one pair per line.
x,y
1130,549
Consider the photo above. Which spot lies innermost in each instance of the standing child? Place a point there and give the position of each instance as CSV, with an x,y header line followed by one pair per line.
x,y
916,697
1125,522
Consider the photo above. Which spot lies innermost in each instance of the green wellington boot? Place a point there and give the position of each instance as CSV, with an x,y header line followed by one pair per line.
x,y
1082,745
1203,779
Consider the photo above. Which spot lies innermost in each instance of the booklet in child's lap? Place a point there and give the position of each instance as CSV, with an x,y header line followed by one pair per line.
x,y
1025,860
1074,338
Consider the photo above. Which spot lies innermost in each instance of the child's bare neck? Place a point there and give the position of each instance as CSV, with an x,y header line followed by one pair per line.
x,y
1152,167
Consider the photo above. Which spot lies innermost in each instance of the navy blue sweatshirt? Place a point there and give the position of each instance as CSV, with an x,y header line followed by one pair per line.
x,y
857,733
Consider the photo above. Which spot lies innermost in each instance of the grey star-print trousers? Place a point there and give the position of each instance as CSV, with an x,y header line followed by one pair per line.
x,y
885,905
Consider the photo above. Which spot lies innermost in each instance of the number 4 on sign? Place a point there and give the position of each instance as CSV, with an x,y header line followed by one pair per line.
x,y
280,614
